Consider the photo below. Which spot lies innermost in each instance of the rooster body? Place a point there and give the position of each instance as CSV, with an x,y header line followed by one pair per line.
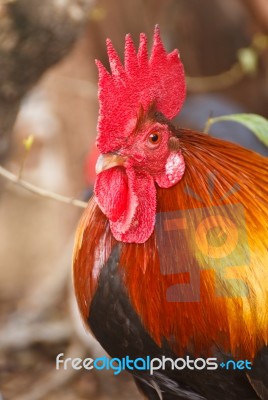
x,y
171,254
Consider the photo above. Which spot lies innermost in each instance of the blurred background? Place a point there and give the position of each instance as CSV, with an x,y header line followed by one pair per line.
x,y
48,91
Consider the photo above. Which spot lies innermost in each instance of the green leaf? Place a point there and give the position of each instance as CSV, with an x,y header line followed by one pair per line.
x,y
28,142
248,59
255,123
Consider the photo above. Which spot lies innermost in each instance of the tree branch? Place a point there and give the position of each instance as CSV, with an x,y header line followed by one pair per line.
x,y
40,191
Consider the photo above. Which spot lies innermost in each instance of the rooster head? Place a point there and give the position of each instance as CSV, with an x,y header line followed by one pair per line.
x,y
137,142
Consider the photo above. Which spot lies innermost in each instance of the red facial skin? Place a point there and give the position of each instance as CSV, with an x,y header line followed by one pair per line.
x,y
127,194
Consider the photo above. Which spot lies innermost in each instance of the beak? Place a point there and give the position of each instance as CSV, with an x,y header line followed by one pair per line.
x,y
109,160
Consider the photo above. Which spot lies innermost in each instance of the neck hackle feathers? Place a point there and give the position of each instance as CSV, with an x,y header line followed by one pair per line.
x,y
138,84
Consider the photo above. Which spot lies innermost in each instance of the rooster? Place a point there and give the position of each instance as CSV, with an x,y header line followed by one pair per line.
x,y
171,254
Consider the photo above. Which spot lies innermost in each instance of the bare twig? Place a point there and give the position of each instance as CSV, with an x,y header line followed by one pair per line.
x,y
218,82
238,71
40,191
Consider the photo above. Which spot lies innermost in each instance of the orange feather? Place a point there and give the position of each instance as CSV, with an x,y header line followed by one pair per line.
x,y
228,279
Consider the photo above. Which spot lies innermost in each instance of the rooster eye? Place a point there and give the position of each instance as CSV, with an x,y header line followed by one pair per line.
x,y
154,138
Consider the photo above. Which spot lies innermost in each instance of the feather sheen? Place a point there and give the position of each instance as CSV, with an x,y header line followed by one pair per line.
x,y
222,274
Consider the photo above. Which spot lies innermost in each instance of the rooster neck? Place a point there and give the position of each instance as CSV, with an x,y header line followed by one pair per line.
x,y
235,320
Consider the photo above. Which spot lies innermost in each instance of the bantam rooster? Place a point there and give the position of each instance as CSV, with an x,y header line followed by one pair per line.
x,y
171,254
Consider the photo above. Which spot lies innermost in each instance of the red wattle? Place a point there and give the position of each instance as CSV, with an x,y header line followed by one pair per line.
x,y
128,199
111,190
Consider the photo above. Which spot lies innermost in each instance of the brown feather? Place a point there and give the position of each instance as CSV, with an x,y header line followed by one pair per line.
x,y
230,320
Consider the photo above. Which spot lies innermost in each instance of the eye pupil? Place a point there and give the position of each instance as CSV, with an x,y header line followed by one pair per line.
x,y
154,137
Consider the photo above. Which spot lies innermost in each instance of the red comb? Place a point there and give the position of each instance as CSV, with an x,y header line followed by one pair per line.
x,y
141,82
